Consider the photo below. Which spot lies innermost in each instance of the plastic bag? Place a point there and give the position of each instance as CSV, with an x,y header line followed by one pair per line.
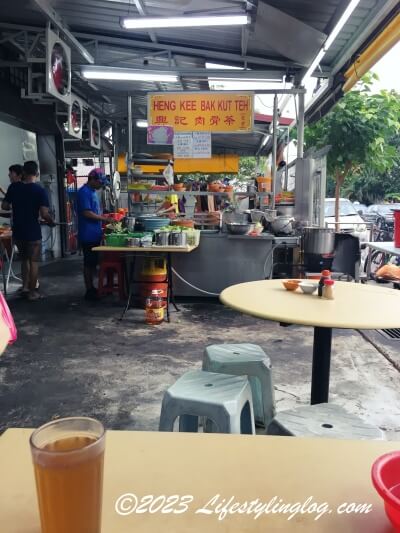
x,y
168,174
388,272
8,319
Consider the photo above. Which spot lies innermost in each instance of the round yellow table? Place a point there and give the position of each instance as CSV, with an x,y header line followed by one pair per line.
x,y
355,306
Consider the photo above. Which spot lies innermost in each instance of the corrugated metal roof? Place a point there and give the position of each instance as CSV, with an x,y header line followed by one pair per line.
x,y
99,20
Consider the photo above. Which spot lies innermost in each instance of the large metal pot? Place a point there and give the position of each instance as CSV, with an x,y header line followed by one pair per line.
x,y
282,225
320,241
238,229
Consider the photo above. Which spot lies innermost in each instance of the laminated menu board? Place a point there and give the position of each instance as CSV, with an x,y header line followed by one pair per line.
x,y
183,145
201,145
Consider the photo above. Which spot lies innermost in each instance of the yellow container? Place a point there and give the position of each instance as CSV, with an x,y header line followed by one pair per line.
x,y
154,266
264,184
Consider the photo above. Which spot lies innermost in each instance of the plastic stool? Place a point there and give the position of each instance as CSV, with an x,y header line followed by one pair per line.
x,y
323,420
250,360
108,268
224,399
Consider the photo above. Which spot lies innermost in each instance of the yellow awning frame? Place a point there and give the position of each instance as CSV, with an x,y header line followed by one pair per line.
x,y
386,39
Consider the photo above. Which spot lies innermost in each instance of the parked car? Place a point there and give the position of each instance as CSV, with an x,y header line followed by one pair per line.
x,y
378,213
360,208
381,216
349,218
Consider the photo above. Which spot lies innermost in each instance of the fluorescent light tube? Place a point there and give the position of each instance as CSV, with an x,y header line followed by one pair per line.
x,y
331,37
126,75
265,140
143,23
222,67
142,123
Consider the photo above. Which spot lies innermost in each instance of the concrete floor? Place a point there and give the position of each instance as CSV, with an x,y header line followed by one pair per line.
x,y
75,358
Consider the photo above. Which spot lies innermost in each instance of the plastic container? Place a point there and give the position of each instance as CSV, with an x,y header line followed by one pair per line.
x,y
264,184
325,274
386,480
327,291
116,239
396,214
154,311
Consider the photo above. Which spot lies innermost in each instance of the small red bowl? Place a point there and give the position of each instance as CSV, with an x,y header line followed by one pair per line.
x,y
386,479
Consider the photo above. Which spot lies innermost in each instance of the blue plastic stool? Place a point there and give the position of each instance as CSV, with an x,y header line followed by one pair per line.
x,y
226,400
249,360
323,420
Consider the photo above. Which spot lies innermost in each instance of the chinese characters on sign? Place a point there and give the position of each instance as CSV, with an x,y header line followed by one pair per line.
x,y
217,112
196,145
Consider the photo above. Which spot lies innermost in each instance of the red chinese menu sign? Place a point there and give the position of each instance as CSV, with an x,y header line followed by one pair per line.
x,y
217,112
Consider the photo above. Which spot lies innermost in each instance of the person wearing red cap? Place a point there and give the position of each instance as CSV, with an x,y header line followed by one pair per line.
x,y
90,232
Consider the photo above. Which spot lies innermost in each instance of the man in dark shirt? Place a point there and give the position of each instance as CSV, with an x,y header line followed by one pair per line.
x,y
28,200
90,231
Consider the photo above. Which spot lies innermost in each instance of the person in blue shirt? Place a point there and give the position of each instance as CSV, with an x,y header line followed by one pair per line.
x,y
90,232
28,201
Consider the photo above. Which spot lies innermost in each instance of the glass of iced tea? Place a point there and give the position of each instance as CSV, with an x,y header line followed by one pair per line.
x,y
68,460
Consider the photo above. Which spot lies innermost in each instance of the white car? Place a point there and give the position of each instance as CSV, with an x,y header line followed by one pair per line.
x,y
349,219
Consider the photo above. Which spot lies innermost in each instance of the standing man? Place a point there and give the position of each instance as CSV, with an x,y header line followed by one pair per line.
x,y
14,174
90,231
28,200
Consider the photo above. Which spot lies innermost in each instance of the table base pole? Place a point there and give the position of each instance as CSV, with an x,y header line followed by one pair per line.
x,y
321,365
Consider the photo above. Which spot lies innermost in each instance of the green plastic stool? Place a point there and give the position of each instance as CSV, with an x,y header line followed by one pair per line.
x,y
249,360
225,400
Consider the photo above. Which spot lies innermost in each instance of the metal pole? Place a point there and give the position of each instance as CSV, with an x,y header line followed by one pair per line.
x,y
130,130
300,128
287,158
274,149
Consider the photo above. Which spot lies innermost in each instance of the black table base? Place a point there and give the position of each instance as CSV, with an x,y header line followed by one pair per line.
x,y
321,365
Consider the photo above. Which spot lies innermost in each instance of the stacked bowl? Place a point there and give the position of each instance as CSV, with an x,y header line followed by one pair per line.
x,y
151,222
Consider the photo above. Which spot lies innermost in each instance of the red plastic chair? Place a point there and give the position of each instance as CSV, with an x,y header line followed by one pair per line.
x,y
109,268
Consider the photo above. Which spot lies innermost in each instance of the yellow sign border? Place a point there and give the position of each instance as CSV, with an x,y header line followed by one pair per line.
x,y
236,132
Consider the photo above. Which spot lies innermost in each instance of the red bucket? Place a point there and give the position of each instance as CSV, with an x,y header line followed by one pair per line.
x,y
396,214
386,479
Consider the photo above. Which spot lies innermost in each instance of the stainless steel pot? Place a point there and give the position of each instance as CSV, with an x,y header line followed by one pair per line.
x,y
320,241
282,225
238,229
162,238
177,238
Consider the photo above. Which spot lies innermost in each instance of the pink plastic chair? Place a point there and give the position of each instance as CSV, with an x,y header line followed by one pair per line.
x,y
8,319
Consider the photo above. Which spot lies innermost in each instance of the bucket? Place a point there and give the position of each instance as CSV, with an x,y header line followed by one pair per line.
x,y
396,214
264,184
153,282
154,266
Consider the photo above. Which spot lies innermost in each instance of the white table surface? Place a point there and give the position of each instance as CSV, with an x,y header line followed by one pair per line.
x,y
241,467
355,306
387,247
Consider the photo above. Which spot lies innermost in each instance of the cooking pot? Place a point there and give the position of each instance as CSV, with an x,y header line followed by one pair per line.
x,y
320,241
162,238
177,238
282,225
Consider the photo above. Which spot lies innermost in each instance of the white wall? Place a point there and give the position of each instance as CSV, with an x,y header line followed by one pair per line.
x,y
16,147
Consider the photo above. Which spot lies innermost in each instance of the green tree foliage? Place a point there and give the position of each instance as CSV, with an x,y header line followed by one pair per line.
x,y
359,130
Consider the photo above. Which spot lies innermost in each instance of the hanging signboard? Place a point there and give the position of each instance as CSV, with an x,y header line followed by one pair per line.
x,y
201,145
183,145
216,111
160,135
